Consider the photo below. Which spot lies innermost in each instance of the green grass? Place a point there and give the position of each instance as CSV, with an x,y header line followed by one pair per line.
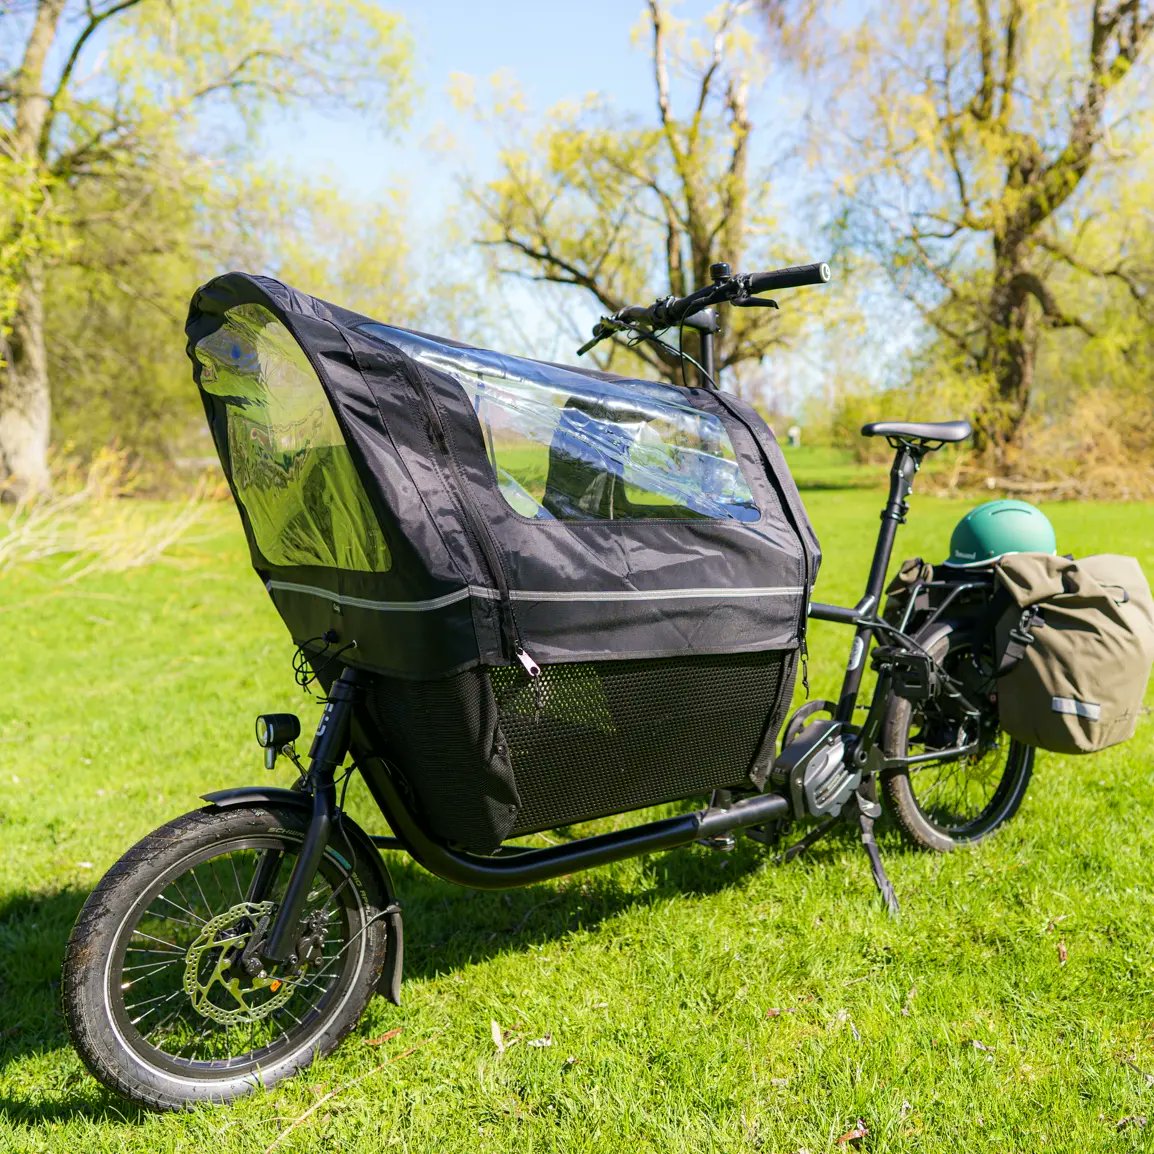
x,y
694,1001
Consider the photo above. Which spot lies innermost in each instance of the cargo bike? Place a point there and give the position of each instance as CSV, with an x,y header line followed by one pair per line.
x,y
532,596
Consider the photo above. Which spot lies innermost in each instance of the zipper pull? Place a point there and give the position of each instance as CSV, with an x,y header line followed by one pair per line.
x,y
805,667
534,671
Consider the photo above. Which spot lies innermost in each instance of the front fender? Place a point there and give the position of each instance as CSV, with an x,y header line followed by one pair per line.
x,y
390,980
247,794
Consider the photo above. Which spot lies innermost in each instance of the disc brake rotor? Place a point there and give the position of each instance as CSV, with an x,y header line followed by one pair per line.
x,y
220,934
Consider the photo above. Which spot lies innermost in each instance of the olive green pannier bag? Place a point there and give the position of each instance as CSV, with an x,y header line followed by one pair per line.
x,y
1075,650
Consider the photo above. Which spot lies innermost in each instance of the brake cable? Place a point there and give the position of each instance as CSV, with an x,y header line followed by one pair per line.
x,y
613,325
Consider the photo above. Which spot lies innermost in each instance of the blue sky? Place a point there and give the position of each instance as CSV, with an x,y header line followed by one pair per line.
x,y
555,50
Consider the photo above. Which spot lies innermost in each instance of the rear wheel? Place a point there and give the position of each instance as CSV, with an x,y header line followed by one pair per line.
x,y
941,805
165,994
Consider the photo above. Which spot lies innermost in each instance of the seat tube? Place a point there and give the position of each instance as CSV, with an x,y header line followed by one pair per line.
x,y
907,459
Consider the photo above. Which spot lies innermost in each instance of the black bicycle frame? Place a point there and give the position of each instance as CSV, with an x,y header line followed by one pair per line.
x,y
340,733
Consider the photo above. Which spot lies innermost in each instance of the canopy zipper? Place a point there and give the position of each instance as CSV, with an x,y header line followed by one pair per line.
x,y
794,522
484,540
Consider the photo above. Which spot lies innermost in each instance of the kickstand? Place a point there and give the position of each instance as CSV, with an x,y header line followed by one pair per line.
x,y
868,812
799,847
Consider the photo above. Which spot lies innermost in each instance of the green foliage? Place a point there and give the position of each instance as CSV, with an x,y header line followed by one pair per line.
x,y
29,229
139,157
991,141
692,1001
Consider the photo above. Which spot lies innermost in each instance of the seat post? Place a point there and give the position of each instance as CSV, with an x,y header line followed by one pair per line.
x,y
907,460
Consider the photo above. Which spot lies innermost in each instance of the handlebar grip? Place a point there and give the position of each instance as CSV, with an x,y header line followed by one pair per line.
x,y
641,313
783,278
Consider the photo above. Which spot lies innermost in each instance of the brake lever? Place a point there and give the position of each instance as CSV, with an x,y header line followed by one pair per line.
x,y
754,302
598,337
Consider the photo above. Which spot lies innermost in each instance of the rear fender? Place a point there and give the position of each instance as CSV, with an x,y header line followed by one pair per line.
x,y
390,980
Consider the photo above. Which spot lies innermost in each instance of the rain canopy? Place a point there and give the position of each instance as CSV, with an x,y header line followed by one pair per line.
x,y
447,507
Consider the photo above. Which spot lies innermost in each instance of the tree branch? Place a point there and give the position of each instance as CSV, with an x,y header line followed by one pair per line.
x,y
982,104
1063,175
1024,284
546,257
1136,288
95,20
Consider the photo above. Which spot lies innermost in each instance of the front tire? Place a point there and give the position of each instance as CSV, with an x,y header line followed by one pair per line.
x,y
943,805
164,994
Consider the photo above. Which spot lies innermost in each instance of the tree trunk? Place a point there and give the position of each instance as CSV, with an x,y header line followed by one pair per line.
x,y
24,404
1011,345
25,411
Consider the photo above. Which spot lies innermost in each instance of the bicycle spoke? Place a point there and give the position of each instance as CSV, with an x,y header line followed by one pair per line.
x,y
163,898
142,934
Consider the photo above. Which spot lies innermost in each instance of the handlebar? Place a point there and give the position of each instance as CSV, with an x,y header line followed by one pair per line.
x,y
740,290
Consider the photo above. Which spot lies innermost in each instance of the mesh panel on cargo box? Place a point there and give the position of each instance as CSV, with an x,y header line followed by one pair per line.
x,y
590,739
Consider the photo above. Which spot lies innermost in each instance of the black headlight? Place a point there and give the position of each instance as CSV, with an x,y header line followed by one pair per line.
x,y
276,730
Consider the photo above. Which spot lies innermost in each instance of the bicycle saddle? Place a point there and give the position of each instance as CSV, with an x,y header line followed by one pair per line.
x,y
945,431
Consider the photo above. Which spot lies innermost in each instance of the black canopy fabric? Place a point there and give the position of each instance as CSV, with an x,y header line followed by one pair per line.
x,y
446,507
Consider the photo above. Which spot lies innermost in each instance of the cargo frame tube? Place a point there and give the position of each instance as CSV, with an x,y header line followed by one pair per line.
x,y
521,866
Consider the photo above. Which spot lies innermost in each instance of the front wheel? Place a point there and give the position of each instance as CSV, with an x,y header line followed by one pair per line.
x,y
165,995
941,805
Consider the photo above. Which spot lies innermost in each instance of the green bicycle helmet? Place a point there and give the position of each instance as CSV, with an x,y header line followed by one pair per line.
x,y
999,527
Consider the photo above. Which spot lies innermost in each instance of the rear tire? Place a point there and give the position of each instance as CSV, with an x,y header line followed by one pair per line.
x,y
942,805
169,1015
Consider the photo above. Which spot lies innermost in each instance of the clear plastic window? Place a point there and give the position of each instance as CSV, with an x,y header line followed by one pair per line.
x,y
290,464
567,446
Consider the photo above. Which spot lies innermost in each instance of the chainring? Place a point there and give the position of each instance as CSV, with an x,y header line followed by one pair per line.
x,y
230,946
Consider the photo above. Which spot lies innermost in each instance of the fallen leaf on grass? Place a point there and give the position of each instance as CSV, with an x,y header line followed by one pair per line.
x,y
854,1135
384,1038
1135,1120
982,1046
504,1039
1062,954
774,1012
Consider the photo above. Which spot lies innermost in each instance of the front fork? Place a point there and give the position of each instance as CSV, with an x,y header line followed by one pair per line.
x,y
330,745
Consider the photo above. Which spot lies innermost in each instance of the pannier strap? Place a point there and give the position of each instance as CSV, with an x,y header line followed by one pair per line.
x,y
1020,640
533,595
